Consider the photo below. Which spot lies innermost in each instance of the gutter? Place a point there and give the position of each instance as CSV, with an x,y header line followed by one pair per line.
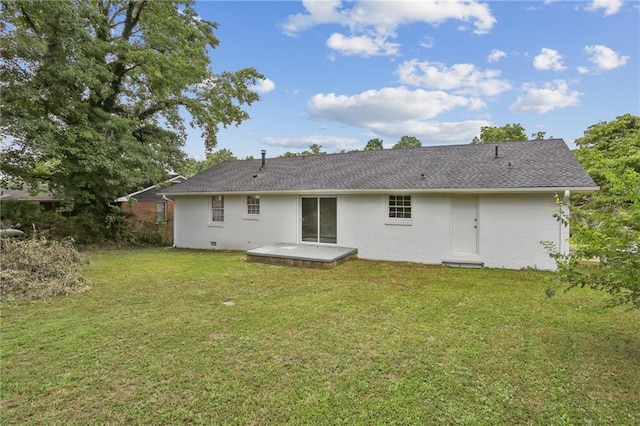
x,y
540,190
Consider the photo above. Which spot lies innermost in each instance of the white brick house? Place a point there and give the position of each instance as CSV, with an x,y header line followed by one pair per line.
x,y
488,204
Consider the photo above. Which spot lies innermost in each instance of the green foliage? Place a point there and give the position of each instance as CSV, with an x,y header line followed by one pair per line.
x,y
192,167
374,144
314,149
610,144
22,215
607,238
117,227
94,93
605,225
408,142
37,268
538,135
507,133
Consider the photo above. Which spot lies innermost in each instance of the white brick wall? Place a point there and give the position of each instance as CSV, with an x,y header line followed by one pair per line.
x,y
510,227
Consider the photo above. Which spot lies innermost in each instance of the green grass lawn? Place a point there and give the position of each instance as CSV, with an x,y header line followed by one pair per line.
x,y
156,341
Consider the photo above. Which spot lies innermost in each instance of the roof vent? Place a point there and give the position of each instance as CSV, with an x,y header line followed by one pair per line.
x,y
496,152
264,158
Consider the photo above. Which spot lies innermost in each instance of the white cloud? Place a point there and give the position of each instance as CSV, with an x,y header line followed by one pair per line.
x,y
393,112
390,14
318,12
611,7
476,104
605,58
378,20
330,143
550,96
583,70
362,45
263,86
496,55
463,78
384,105
428,42
548,59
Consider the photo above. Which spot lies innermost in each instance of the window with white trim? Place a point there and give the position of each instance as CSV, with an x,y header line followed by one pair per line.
x,y
217,208
253,205
399,207
161,211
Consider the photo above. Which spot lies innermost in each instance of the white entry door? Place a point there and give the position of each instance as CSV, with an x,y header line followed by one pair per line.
x,y
464,232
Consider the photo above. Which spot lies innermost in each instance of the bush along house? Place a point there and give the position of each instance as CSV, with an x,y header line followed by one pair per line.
x,y
152,210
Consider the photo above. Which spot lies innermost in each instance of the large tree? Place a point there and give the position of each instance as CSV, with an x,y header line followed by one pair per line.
x,y
605,225
506,133
96,94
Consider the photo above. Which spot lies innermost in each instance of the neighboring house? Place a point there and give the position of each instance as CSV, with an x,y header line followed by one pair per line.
x,y
151,207
42,197
473,205
20,203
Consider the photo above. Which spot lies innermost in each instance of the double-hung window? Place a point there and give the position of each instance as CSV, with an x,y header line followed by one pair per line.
x,y
217,208
253,205
399,207
161,211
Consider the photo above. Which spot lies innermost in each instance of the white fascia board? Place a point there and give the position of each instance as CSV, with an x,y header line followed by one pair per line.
x,y
133,194
175,178
399,191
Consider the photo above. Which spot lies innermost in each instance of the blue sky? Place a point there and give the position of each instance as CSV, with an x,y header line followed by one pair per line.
x,y
339,73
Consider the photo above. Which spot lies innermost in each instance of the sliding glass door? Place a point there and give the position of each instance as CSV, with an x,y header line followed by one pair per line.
x,y
319,220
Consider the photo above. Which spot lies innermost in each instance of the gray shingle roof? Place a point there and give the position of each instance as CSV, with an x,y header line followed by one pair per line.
x,y
23,194
531,164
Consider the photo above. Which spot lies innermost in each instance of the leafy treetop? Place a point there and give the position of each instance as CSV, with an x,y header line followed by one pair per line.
x,y
374,144
408,142
610,144
507,133
192,167
96,95
314,149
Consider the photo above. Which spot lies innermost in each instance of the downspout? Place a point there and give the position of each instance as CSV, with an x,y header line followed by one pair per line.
x,y
564,231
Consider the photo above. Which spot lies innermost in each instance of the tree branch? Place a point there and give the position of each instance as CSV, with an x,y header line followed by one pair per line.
x,y
132,17
31,24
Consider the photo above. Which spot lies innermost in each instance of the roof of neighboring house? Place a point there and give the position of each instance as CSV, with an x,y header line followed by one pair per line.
x,y
530,165
151,193
23,194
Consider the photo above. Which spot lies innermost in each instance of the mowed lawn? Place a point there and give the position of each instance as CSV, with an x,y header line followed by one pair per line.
x,y
170,336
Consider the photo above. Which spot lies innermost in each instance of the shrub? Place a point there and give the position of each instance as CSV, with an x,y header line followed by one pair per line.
x,y
28,216
38,268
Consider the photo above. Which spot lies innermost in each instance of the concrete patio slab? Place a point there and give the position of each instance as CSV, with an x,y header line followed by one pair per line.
x,y
306,255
